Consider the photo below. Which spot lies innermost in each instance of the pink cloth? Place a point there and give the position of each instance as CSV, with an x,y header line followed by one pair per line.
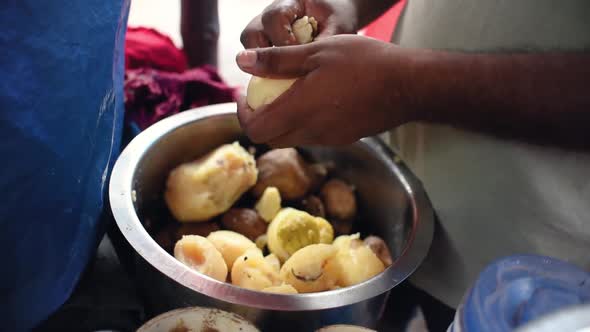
x,y
151,95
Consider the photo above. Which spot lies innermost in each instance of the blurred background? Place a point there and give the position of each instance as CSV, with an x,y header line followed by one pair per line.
x,y
164,16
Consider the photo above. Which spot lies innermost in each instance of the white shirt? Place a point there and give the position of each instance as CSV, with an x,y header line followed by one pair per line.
x,y
495,197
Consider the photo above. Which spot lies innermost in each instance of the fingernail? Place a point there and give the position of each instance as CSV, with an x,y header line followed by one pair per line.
x,y
247,59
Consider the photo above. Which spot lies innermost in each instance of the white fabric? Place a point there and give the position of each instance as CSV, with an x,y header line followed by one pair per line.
x,y
495,197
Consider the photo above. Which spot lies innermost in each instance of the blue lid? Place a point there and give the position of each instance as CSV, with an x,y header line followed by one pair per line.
x,y
518,289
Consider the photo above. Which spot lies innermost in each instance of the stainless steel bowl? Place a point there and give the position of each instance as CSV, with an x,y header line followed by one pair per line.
x,y
392,201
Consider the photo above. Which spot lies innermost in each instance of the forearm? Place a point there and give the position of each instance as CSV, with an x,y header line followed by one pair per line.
x,y
540,98
199,28
369,10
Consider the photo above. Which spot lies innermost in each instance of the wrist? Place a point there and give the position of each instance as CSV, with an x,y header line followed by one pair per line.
x,y
407,83
436,83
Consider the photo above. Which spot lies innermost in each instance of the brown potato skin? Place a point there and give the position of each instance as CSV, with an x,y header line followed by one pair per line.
x,y
284,169
339,200
314,206
380,248
244,221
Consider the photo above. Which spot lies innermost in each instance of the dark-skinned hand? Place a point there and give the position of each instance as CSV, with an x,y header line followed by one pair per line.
x,y
273,26
348,87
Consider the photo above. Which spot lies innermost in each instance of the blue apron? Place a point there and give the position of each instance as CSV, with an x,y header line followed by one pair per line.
x,y
61,109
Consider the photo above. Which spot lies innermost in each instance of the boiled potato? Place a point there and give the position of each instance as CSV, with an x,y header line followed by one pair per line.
x,y
304,29
174,231
293,229
244,221
200,190
380,248
269,204
254,271
339,200
314,206
285,170
201,255
261,241
355,261
282,289
274,261
308,270
231,245
345,242
263,91
318,173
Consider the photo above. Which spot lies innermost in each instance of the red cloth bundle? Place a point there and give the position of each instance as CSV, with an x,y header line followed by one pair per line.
x,y
158,84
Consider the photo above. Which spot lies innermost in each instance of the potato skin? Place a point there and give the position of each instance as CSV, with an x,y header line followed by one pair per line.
x,y
244,221
380,248
339,200
284,169
314,206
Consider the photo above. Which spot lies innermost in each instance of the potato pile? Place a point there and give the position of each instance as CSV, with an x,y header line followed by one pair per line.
x,y
274,224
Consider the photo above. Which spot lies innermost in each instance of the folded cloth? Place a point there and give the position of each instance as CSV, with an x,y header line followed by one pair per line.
x,y
148,48
158,84
151,95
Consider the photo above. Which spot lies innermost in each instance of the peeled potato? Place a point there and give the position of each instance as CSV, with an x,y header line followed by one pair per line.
x,y
308,269
263,91
293,229
274,261
344,242
269,204
380,249
261,241
231,245
304,29
200,190
355,261
199,254
282,289
252,271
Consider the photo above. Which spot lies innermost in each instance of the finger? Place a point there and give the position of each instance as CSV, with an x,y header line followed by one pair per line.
x,y
245,113
253,35
277,20
278,62
293,138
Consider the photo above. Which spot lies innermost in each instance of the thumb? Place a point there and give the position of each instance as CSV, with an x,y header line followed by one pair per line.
x,y
277,62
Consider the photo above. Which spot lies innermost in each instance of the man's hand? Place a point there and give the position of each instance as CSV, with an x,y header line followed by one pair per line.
x,y
334,17
345,91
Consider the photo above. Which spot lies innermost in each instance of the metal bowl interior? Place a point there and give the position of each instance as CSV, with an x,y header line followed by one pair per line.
x,y
392,203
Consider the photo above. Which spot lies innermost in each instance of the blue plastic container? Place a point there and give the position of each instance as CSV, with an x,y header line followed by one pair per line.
x,y
516,290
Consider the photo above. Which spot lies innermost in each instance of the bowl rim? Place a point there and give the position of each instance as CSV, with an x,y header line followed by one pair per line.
x,y
121,198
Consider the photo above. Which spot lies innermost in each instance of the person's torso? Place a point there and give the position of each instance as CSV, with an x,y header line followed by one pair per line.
x,y
61,111
495,197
